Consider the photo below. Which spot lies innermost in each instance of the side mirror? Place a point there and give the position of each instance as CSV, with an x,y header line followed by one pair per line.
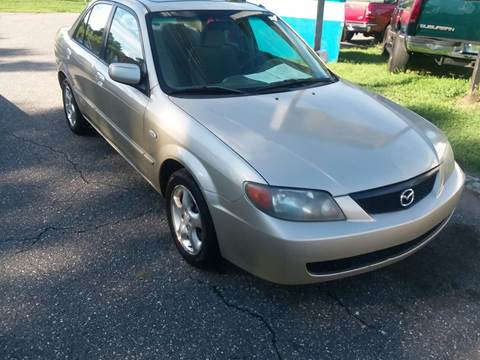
x,y
129,74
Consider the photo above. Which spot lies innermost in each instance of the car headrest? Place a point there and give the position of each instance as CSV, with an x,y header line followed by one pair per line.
x,y
214,34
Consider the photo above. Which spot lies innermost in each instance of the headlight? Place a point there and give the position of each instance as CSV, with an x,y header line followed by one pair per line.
x,y
444,152
293,204
447,161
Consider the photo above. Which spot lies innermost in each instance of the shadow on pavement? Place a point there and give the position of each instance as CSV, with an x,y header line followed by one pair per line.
x,y
9,52
26,66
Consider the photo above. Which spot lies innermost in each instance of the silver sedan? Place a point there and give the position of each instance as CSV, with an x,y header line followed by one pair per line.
x,y
265,157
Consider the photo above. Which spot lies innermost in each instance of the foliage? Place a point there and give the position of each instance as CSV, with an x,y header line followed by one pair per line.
x,y
42,5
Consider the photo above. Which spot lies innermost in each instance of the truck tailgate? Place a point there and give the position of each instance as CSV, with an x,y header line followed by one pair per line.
x,y
451,19
355,11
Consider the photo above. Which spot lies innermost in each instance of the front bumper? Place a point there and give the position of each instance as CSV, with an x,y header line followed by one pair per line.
x,y
279,251
452,49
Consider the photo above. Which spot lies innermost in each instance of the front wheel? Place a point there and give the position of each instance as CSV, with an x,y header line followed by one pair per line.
x,y
190,222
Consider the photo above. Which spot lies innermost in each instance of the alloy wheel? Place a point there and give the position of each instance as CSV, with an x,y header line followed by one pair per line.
x,y
187,221
70,106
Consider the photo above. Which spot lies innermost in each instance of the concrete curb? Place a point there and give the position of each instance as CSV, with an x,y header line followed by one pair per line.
x,y
473,183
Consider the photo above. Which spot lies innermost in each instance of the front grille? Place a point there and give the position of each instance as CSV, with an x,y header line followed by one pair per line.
x,y
360,261
387,199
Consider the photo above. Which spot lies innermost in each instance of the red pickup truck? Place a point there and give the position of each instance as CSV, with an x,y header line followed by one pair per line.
x,y
369,17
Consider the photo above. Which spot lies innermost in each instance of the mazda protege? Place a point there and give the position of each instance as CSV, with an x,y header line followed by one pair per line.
x,y
265,157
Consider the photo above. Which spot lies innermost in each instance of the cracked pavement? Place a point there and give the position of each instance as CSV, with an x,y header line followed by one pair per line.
x,y
88,269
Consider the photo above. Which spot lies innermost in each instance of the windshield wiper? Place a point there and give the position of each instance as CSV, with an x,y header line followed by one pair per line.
x,y
292,84
206,90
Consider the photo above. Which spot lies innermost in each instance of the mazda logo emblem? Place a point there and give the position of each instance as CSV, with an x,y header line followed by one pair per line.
x,y
407,198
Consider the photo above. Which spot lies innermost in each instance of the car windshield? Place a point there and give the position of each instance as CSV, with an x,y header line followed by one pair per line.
x,y
231,52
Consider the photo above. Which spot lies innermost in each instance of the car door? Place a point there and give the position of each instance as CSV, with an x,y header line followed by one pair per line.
x,y
122,106
83,56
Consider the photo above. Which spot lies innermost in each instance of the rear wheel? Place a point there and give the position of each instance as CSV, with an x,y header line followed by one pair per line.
x,y
399,56
75,120
190,222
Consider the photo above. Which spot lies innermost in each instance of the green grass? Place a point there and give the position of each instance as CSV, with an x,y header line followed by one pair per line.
x,y
42,5
431,91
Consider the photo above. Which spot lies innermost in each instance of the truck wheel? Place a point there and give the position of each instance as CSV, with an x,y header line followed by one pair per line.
x,y
399,56
379,37
348,35
386,42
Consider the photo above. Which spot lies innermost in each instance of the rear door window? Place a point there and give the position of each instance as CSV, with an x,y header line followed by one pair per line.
x,y
124,42
95,29
80,30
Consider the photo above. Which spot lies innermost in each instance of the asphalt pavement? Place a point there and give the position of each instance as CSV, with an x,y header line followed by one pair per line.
x,y
88,269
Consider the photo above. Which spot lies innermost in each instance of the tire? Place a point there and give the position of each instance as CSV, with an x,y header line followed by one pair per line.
x,y
348,35
399,56
379,37
195,240
75,120
386,40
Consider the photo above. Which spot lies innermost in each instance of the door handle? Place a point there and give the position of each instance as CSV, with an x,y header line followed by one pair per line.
x,y
99,78
68,54
152,133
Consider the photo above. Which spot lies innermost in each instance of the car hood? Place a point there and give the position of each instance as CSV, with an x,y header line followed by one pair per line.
x,y
338,137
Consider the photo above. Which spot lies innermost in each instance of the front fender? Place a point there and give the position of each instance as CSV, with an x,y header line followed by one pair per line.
x,y
178,136
190,162
222,175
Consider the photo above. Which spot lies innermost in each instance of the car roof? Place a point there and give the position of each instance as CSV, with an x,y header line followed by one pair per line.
x,y
163,5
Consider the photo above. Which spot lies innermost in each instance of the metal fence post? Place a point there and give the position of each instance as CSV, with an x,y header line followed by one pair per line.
x,y
474,89
319,27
